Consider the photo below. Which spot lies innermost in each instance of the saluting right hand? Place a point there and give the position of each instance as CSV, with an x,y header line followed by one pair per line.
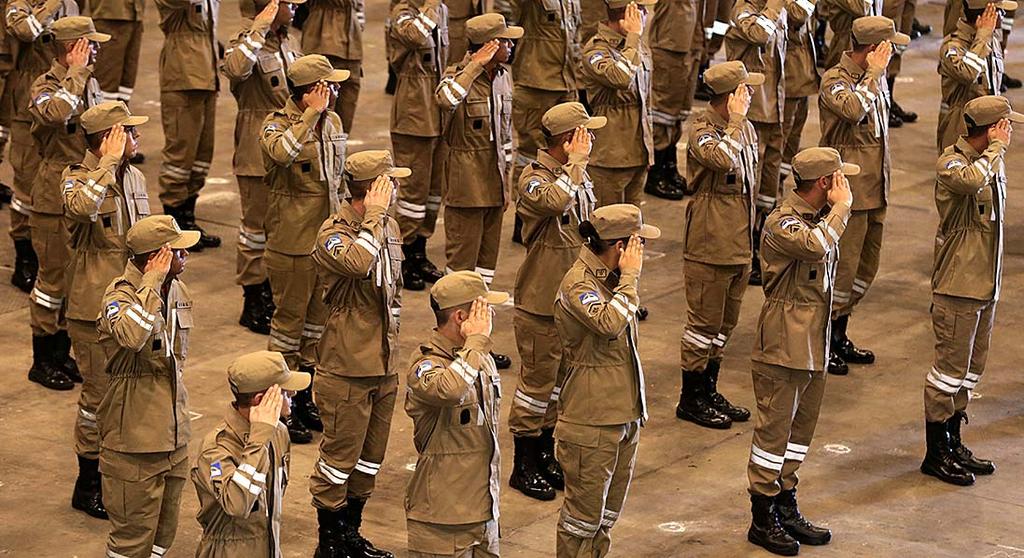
x,y
486,53
580,142
479,320
380,193
739,101
631,258
78,56
633,22
268,14
269,409
317,97
160,262
988,19
840,192
878,59
113,144
1002,131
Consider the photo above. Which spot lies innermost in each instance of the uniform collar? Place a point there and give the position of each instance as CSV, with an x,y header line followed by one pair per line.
x,y
291,110
237,424
547,161
132,274
347,213
964,146
57,70
716,118
850,66
966,30
594,264
443,345
612,36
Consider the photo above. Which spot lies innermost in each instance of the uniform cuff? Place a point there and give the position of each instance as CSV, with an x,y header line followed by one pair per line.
x,y
628,278
153,279
309,118
260,432
478,342
373,215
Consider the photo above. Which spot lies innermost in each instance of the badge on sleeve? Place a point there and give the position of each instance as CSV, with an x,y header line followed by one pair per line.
x,y
69,185
333,242
595,57
955,163
423,368
590,297
837,88
532,186
705,139
112,309
42,98
215,470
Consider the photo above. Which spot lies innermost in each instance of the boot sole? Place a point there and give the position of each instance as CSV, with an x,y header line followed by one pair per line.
x,y
541,497
774,550
61,387
87,511
948,480
682,415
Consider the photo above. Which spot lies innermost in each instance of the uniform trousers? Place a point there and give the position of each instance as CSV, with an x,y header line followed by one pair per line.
x,y
252,236
6,102
188,120
788,402
963,330
92,361
50,239
769,159
25,161
300,312
419,195
348,90
795,117
673,85
117,63
528,107
472,239
860,249
142,494
473,540
535,406
356,413
592,13
598,464
714,294
618,185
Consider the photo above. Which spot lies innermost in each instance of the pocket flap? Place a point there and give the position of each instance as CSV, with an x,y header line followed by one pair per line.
x,y
477,109
578,434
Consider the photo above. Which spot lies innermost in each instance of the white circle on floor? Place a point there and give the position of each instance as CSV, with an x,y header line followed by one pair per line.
x,y
837,448
672,527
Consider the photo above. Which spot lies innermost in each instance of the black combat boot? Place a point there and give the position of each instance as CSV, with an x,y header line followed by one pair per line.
x,y
659,183
332,535
411,280
1011,82
501,362
297,432
939,460
88,494
922,28
526,477
796,524
427,271
254,315
695,406
703,92
836,365
961,453
820,47
642,313
547,464
845,348
359,547
45,371
766,531
517,231
268,300
718,401
25,265
677,181
905,115
180,217
189,213
64,359
303,403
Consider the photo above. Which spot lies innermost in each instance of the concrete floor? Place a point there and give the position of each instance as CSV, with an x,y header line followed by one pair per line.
x,y
688,497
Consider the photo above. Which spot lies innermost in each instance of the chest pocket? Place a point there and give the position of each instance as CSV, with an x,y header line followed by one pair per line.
x,y
467,415
984,205
478,118
109,217
271,69
183,315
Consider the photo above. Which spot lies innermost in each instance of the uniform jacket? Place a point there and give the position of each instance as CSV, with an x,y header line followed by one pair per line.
x,y
335,28
553,200
840,15
256,63
758,39
240,475
479,134
120,10
453,399
303,154
419,54
188,60
970,194
617,77
721,165
548,55
677,25
596,319
855,121
144,334
59,97
799,257
971,66
465,9
29,22
359,260
100,205
802,79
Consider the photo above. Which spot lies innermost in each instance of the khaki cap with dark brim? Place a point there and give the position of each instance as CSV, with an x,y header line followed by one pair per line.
x,y
487,27
77,27
1006,5
989,110
727,76
257,372
462,287
872,30
367,165
150,234
313,68
616,4
622,220
568,116
108,114
815,162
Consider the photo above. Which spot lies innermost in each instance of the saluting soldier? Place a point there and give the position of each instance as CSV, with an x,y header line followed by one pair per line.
x,y
853,108
721,160
954,11
841,15
802,80
334,28
144,418
454,395
104,195
970,195
800,253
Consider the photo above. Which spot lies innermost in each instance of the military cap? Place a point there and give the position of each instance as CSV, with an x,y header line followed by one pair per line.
x,y
727,76
814,162
872,30
568,116
108,114
616,4
367,165
989,110
257,372
487,27
621,220
313,68
462,287
151,233
77,27
1006,5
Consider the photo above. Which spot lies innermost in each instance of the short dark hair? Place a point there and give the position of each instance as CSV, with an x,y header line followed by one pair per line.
x,y
442,316
615,14
553,140
593,241
95,140
719,98
804,185
856,46
245,399
971,15
298,91
357,189
473,47
974,131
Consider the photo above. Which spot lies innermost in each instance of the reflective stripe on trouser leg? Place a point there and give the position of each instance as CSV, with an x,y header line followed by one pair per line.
x,y
382,397
859,252
613,185
802,432
91,361
535,402
252,237
769,160
671,94
25,161
870,255
117,62
50,242
472,238
963,329
411,209
714,294
528,107
777,391
618,489
144,512
313,326
292,282
188,120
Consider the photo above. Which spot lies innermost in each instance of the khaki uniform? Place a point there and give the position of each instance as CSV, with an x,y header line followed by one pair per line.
x,y
303,154
418,45
334,28
855,121
840,15
553,200
799,257
677,46
459,12
970,194
359,259
7,53
717,21
617,77
255,63
188,95
241,474
602,404
592,13
971,65
100,205
901,12
144,417
802,80
117,64
454,399
721,163
479,116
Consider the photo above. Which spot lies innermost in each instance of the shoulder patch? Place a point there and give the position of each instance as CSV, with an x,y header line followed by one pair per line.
x,y
333,242
955,163
112,309
836,88
41,98
790,223
590,297
216,470
595,57
69,185
532,186
705,139
424,367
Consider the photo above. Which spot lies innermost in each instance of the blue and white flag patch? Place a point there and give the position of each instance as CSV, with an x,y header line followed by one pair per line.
x,y
424,367
112,309
216,470
590,297
333,242
532,186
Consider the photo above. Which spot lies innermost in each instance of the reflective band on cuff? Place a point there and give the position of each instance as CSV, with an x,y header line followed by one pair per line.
x,y
531,404
240,480
332,475
367,467
719,28
943,382
764,459
796,452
